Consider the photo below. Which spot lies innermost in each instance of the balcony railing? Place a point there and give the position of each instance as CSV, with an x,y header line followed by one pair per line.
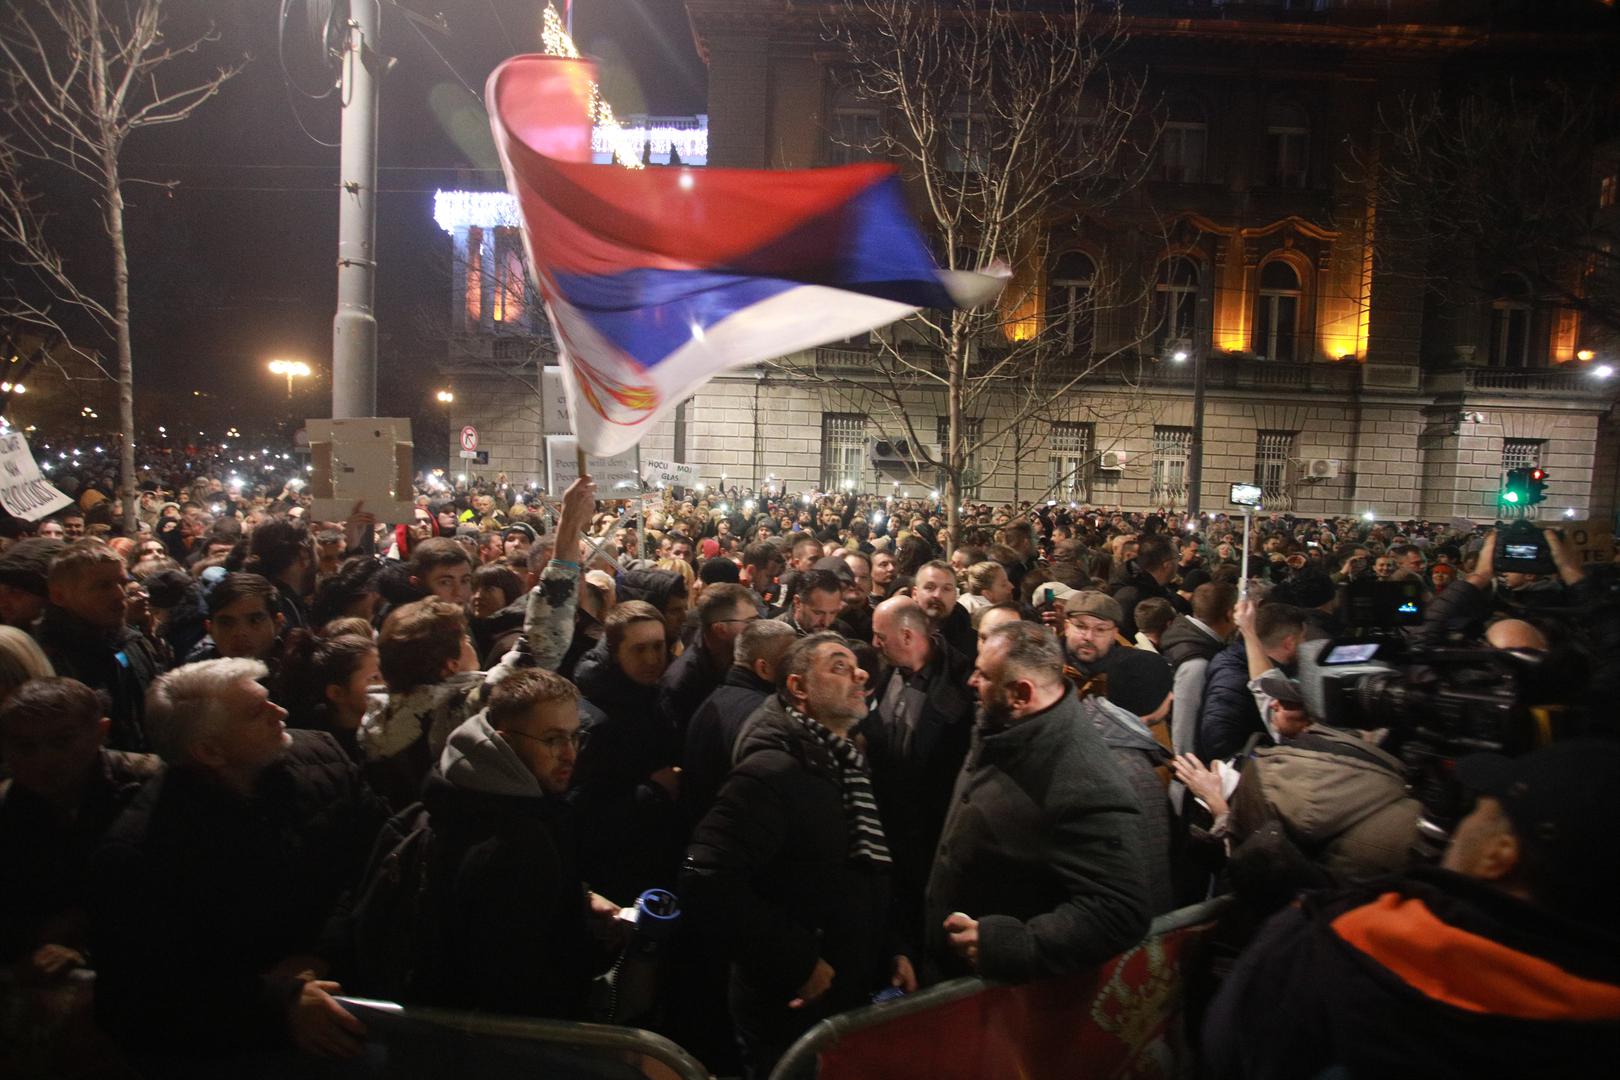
x,y
1519,381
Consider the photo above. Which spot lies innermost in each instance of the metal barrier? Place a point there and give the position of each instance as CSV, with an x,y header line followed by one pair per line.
x,y
1123,1019
409,1043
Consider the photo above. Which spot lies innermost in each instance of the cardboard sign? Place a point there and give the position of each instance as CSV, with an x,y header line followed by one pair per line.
x,y
24,491
1592,540
358,459
617,477
669,473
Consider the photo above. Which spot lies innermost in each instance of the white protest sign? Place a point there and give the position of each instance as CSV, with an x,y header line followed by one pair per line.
x,y
24,492
361,459
660,473
617,477
554,403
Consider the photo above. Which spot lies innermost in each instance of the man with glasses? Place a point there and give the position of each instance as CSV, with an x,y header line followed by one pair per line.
x,y
723,611
513,932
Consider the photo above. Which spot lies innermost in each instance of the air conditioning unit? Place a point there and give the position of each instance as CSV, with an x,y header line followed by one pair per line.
x,y
898,457
1111,461
1322,469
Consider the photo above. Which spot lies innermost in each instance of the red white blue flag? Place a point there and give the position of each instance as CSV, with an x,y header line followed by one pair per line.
x,y
655,280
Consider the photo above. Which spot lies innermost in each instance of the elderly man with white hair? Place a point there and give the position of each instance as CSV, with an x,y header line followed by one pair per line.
x,y
210,892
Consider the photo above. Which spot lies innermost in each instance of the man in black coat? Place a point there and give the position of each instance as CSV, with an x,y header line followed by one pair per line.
x,y
789,871
712,734
916,742
1037,873
1146,576
626,782
935,591
210,892
84,634
65,790
513,918
723,611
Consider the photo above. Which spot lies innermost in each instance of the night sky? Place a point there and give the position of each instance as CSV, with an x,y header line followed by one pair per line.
x,y
235,264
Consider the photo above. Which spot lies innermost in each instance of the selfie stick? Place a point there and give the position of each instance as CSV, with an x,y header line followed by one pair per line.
x,y
1243,578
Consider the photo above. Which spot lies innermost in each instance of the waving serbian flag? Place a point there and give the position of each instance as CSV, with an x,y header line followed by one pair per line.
x,y
656,280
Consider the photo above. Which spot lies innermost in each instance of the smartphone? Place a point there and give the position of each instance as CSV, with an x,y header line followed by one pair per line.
x,y
1245,495
1051,596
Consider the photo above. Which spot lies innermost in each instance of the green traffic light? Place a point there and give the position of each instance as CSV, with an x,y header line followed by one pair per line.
x,y
1510,496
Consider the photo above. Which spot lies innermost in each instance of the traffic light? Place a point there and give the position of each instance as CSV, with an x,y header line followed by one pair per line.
x,y
1524,487
1537,486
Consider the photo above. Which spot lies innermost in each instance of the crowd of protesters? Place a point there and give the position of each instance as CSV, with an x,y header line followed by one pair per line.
x,y
865,755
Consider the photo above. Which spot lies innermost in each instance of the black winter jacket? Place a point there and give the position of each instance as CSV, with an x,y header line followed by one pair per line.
x,y
47,857
1040,848
630,835
121,662
1229,716
913,782
1431,974
711,737
768,872
197,891
1138,586
686,682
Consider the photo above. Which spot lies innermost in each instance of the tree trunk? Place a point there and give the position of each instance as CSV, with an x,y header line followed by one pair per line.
x,y
955,459
126,366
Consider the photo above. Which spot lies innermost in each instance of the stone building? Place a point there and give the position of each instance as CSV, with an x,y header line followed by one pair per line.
x,y
1334,381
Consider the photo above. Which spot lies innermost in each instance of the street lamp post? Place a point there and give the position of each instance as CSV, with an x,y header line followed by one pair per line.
x,y
292,369
445,397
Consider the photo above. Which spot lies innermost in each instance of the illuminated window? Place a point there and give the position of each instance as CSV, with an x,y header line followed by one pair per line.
x,y
1177,297
475,274
1068,301
1510,322
1182,144
1276,314
511,286
1288,143
1608,189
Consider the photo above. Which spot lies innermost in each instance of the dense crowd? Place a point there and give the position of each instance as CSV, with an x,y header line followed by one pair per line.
x,y
254,760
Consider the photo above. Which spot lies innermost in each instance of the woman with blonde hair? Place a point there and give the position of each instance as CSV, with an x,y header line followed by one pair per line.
x,y
21,660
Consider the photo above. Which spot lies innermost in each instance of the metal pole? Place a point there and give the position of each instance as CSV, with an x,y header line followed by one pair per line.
x,y
1243,577
354,327
1195,453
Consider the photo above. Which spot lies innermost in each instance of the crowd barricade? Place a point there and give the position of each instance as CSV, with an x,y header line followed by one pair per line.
x,y
1126,1018
410,1043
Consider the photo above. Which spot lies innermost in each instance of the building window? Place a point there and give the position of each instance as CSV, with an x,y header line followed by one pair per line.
x,y
1177,294
1276,313
1182,144
972,432
1510,322
1519,454
1272,452
1070,466
1172,446
1608,191
511,286
967,143
1068,301
475,275
854,135
1288,144
843,451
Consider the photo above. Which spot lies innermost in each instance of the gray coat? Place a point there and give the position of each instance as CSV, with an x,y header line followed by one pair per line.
x,y
1039,847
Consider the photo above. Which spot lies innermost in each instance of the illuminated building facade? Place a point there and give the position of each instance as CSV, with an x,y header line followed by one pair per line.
x,y
1334,380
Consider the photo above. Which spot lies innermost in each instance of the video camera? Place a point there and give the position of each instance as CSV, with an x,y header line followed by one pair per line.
x,y
1521,548
1437,704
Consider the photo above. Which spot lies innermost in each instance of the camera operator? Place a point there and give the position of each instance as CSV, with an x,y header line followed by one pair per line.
x,y
1500,962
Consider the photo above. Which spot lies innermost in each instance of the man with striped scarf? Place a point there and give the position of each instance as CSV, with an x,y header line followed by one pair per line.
x,y
788,874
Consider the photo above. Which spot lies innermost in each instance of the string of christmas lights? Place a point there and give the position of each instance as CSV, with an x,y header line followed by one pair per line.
x,y
556,42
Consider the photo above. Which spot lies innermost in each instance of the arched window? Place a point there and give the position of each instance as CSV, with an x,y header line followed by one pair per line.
x,y
1182,143
1276,313
1288,144
1177,297
1069,307
1510,322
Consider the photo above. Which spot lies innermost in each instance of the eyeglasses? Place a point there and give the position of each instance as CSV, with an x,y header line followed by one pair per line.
x,y
553,743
